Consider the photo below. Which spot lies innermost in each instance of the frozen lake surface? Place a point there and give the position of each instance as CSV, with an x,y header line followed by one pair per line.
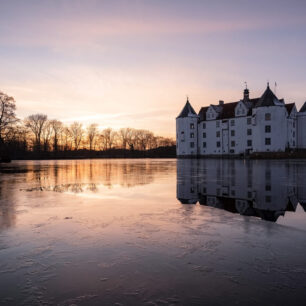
x,y
153,232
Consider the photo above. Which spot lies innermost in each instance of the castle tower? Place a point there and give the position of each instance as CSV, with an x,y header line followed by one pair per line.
x,y
187,132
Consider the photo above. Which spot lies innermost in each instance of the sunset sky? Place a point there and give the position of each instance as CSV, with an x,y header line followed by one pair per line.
x,y
132,63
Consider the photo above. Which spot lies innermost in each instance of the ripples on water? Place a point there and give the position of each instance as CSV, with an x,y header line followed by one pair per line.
x,y
100,232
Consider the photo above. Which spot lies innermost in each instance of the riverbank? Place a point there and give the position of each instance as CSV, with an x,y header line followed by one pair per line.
x,y
160,152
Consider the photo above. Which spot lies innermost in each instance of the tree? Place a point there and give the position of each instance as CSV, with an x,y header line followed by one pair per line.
x,y
107,138
7,114
77,132
66,138
57,127
124,136
36,124
92,132
46,136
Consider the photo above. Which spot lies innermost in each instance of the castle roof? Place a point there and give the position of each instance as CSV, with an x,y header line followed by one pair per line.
x,y
289,107
202,113
227,110
268,99
187,111
303,108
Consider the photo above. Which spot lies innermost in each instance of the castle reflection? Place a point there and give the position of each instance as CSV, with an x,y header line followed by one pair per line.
x,y
263,188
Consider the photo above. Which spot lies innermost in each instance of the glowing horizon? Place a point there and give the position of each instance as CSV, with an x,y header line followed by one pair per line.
x,y
132,63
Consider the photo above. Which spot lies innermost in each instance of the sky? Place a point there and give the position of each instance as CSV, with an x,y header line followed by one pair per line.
x,y
132,63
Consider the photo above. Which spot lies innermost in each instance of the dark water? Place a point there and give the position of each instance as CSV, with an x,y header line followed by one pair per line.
x,y
115,232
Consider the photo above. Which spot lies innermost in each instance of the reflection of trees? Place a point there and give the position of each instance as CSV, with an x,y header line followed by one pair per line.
x,y
7,207
77,176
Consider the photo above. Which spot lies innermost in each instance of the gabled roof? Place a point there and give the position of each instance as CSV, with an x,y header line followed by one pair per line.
x,y
268,98
303,108
289,107
227,110
186,111
202,113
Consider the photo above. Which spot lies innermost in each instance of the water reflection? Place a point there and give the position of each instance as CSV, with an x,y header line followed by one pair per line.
x,y
265,189
20,179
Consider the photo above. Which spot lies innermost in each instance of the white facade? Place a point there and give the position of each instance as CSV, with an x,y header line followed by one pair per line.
x,y
264,124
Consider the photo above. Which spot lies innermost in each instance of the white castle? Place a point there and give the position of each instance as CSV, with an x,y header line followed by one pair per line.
x,y
264,124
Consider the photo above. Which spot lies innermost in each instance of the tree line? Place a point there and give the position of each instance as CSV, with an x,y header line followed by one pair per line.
x,y
38,133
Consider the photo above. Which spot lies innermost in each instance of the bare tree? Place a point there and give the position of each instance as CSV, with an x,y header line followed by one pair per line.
x,y
92,131
77,132
66,139
46,135
57,127
36,124
107,138
7,113
124,137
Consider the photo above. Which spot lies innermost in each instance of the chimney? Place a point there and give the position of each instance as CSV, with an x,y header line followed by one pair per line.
x,y
246,95
221,102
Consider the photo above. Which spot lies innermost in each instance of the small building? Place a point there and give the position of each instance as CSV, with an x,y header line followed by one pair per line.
x,y
264,124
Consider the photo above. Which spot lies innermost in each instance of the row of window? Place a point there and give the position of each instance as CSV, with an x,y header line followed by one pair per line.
x,y
232,122
233,143
249,132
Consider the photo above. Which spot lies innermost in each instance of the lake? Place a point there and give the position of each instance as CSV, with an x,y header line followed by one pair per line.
x,y
153,232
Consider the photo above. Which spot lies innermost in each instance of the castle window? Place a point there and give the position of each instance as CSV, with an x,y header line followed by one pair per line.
x,y
192,145
204,144
232,132
249,121
232,122
293,143
268,128
293,124
218,134
217,124
249,132
204,125
191,126
268,199
233,143
267,116
191,135
218,144
268,187
249,142
204,135
293,134
267,141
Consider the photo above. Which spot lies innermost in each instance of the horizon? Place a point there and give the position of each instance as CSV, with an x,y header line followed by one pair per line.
x,y
132,64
